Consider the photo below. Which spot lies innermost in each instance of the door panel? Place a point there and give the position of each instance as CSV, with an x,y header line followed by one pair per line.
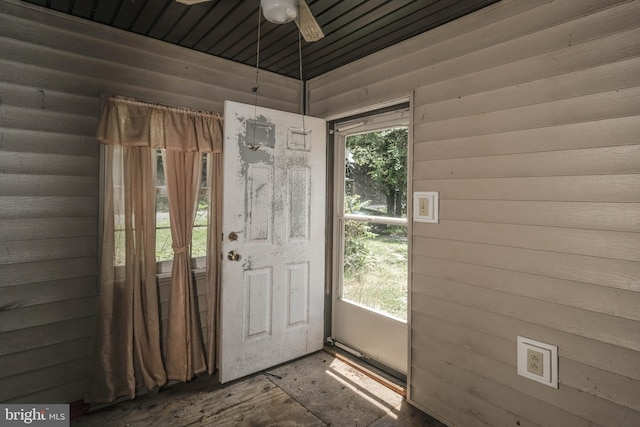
x,y
258,290
297,294
272,296
260,209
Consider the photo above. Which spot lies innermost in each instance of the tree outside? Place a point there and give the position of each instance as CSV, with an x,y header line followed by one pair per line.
x,y
382,156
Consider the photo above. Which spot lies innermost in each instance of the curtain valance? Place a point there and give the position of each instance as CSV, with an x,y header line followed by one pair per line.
x,y
133,123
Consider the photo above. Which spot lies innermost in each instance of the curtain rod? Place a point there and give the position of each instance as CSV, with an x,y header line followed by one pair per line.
x,y
154,105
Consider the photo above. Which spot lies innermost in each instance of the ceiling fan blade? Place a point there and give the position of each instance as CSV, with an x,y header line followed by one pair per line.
x,y
307,23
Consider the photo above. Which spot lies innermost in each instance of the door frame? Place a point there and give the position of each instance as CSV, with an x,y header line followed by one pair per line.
x,y
333,236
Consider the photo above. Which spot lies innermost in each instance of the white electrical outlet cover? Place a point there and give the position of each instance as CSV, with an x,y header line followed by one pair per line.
x,y
549,363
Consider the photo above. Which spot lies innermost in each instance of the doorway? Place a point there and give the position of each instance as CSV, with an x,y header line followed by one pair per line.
x,y
370,239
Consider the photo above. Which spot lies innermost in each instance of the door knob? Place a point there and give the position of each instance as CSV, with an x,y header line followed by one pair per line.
x,y
233,256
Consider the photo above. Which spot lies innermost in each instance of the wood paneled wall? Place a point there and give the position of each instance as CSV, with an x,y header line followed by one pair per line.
x,y
53,71
527,121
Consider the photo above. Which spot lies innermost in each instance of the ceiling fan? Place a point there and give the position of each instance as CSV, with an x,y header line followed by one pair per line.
x,y
283,11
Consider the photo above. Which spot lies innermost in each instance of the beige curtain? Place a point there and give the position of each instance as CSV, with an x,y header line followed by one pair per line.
x,y
133,123
184,352
127,351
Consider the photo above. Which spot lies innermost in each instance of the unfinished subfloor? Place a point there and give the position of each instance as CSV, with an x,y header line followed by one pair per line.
x,y
318,390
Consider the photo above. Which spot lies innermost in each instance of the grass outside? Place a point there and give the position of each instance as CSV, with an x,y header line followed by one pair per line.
x,y
164,242
381,283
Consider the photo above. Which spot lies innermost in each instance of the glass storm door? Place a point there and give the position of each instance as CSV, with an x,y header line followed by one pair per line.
x,y
371,265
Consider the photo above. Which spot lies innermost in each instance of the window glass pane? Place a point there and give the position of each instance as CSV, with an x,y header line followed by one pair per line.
x,y
375,267
164,242
199,237
376,173
119,245
117,174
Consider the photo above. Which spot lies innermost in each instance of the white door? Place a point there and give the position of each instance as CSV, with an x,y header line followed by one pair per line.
x,y
272,296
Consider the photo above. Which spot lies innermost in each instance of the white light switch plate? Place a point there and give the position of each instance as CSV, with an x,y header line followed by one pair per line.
x,y
425,206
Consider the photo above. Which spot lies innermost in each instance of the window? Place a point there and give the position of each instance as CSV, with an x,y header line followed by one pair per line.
x,y
164,242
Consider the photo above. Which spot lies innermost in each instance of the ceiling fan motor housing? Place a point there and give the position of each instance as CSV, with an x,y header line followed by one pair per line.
x,y
280,11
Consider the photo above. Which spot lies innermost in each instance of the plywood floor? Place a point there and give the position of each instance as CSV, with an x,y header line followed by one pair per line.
x,y
317,390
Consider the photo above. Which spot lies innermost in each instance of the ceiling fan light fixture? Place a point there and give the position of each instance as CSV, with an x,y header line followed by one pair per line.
x,y
280,11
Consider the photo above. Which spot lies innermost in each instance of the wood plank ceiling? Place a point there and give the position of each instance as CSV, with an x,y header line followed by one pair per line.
x,y
229,28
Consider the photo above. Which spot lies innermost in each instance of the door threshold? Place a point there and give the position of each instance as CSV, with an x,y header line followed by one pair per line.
x,y
386,379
